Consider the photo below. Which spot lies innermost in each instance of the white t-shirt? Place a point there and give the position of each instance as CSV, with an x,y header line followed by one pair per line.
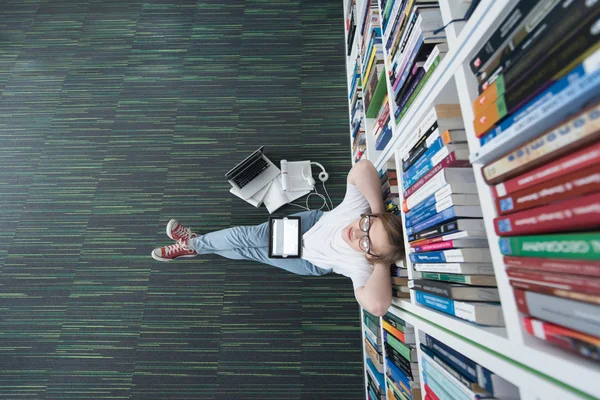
x,y
324,246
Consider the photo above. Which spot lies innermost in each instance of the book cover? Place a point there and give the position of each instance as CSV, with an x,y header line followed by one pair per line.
x,y
452,236
452,244
460,181
587,157
434,155
576,246
430,207
582,317
575,267
419,148
445,215
453,256
449,227
489,314
456,268
456,291
577,214
563,138
552,290
578,183
451,384
475,280
577,342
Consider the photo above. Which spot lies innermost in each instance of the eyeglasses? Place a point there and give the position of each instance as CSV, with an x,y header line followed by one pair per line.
x,y
365,242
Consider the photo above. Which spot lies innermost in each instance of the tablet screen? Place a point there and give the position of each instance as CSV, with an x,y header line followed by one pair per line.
x,y
285,237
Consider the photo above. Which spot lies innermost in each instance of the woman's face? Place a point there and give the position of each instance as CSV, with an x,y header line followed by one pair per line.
x,y
352,234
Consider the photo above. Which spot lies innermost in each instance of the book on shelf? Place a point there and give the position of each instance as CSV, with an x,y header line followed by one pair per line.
x,y
502,36
468,225
577,214
476,280
567,95
375,374
553,47
577,315
565,137
450,236
406,351
375,341
441,116
470,370
433,205
481,313
450,213
456,268
375,357
450,244
579,343
575,246
433,156
384,137
586,157
393,356
578,183
455,291
481,255
561,285
447,181
408,337
564,266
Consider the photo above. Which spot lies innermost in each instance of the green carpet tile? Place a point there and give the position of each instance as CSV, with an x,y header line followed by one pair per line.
x,y
116,116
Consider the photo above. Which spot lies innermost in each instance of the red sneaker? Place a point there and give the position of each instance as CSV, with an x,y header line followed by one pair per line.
x,y
168,253
178,232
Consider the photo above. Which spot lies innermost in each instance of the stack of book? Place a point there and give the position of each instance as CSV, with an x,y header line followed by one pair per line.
x,y
447,374
540,66
399,273
402,369
413,49
371,54
444,224
389,187
382,128
350,25
357,120
374,357
547,197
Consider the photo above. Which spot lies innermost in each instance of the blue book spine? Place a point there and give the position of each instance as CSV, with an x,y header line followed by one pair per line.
x,y
585,87
378,375
372,393
422,165
438,218
422,214
397,374
436,302
422,206
428,257
407,66
456,360
383,138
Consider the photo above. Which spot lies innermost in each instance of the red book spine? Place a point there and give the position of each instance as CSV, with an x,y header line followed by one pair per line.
x,y
576,267
392,175
579,213
448,162
448,244
559,335
576,161
561,281
429,392
521,301
552,291
426,241
576,184
565,343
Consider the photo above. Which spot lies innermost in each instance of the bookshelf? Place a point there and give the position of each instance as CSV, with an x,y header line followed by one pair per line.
x,y
538,369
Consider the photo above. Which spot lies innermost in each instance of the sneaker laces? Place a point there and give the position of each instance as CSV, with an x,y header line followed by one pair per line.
x,y
182,231
180,245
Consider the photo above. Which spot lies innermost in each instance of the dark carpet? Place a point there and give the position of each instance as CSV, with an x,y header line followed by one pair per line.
x,y
116,116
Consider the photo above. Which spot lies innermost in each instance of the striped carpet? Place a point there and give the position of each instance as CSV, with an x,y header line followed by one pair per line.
x,y
116,116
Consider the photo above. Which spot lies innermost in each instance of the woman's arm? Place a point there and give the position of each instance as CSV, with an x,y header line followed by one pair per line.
x,y
366,178
376,295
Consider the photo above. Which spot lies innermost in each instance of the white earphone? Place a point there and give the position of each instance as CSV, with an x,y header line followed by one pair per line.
x,y
323,175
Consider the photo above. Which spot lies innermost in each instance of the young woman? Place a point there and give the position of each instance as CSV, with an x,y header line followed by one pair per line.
x,y
356,239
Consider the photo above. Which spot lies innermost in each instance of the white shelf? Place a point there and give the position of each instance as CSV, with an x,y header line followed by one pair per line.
x,y
538,369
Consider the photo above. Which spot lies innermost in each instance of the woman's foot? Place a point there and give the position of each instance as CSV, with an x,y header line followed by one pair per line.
x,y
177,250
178,232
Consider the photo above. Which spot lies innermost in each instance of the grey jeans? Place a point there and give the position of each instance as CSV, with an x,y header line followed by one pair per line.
x,y
252,243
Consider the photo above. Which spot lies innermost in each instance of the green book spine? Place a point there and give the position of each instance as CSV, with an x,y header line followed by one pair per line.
x,y
395,322
374,328
574,246
418,90
399,346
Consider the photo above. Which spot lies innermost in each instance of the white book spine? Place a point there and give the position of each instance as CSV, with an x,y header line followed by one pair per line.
x,y
401,57
456,268
435,183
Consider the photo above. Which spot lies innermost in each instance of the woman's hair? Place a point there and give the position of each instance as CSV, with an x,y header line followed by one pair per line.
x,y
393,227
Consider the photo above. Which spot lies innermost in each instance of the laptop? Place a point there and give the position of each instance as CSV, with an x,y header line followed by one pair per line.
x,y
252,174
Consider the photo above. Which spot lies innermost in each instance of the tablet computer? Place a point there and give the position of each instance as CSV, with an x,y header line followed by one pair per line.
x,y
285,237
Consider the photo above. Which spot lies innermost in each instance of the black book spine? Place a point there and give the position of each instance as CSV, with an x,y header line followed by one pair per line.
x,y
523,84
410,29
556,25
419,148
508,26
393,323
433,287
398,360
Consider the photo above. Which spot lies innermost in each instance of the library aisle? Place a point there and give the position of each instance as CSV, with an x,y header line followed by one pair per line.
x,y
482,119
